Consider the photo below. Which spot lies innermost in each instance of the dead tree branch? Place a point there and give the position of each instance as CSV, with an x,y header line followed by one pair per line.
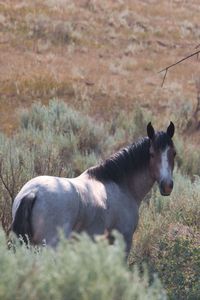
x,y
5,182
176,63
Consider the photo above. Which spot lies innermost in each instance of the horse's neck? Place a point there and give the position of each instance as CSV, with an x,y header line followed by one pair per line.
x,y
139,184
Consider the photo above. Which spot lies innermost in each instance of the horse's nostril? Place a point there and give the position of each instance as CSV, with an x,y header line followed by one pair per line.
x,y
171,185
162,184
166,187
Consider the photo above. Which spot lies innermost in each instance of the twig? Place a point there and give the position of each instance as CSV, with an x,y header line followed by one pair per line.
x,y
5,182
6,186
176,63
196,47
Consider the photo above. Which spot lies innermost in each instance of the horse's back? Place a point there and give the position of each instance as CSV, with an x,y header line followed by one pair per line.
x,y
56,205
48,189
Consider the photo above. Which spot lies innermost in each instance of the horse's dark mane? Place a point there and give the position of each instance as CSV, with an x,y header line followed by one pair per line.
x,y
128,160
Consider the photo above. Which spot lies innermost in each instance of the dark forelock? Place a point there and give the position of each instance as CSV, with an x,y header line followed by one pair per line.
x,y
162,140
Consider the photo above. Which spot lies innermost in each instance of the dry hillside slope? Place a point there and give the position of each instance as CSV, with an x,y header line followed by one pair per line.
x,y
106,53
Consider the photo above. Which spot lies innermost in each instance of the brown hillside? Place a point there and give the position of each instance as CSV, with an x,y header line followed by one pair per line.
x,y
107,53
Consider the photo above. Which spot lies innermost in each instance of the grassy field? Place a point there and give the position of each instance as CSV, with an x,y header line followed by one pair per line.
x,y
78,80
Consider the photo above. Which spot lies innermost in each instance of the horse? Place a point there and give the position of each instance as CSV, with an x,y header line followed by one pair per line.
x,y
103,198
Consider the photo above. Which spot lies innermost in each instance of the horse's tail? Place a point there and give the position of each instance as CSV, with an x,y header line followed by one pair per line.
x,y
22,225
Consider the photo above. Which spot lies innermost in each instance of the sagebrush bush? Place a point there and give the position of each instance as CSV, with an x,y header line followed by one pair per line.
x,y
188,158
16,166
184,114
60,119
78,269
168,238
127,128
43,27
52,140
177,258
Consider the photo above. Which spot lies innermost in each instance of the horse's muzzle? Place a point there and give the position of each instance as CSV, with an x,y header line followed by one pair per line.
x,y
166,187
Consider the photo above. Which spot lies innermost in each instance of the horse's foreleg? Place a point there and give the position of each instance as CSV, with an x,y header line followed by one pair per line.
x,y
128,242
67,228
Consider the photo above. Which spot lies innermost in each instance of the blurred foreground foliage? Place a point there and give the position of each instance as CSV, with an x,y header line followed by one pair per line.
x,y
78,269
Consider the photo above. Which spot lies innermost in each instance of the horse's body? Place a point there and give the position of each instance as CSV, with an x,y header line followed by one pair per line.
x,y
77,204
101,199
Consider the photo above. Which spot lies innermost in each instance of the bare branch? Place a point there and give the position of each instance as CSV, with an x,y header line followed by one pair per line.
x,y
164,77
4,182
197,46
176,63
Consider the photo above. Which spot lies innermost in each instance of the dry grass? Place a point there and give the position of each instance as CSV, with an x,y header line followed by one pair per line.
x,y
111,50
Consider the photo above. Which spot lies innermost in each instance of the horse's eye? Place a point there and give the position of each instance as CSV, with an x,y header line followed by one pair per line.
x,y
174,153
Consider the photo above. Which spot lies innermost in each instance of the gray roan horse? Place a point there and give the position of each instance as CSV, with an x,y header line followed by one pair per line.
x,y
103,198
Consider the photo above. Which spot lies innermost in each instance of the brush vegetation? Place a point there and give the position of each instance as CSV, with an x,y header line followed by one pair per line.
x,y
59,140
78,269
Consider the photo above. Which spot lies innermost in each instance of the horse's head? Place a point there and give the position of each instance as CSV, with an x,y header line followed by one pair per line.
x,y
162,153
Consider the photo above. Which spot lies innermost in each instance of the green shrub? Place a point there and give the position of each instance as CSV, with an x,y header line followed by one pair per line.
x,y
188,157
167,239
59,119
40,26
52,140
184,115
184,204
128,127
16,166
78,269
178,262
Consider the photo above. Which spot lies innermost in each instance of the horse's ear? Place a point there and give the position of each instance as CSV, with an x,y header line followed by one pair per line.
x,y
171,129
150,131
